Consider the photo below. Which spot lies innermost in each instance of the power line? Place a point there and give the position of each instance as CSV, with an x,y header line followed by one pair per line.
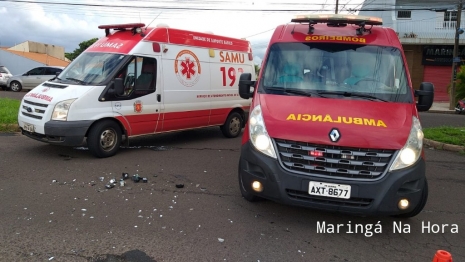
x,y
199,8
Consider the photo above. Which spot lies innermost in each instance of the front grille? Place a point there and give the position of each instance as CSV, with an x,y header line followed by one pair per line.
x,y
35,104
353,201
31,115
333,161
33,109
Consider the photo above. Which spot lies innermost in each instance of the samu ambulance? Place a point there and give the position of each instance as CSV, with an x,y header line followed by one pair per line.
x,y
334,121
140,81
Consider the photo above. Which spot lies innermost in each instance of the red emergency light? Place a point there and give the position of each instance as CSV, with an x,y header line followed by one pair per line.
x,y
339,20
135,27
315,153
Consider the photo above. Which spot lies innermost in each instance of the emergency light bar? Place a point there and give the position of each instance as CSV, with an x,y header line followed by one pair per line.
x,y
339,20
135,27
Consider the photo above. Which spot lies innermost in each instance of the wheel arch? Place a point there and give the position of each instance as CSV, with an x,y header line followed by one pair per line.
x,y
241,112
121,126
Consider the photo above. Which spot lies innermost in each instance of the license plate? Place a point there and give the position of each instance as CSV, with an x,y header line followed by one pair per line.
x,y
329,190
28,127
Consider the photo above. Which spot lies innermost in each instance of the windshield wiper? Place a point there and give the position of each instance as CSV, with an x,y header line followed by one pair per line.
x,y
76,80
350,94
296,91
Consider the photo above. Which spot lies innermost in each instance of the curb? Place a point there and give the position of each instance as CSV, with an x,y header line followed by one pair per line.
x,y
441,111
443,146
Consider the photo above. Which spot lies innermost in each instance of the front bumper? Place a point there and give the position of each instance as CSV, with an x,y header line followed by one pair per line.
x,y
376,197
62,133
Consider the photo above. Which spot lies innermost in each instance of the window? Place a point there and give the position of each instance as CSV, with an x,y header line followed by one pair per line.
x,y
450,16
4,70
52,71
139,76
330,70
36,71
404,14
449,20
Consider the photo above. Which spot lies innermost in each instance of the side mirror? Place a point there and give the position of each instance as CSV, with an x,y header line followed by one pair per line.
x,y
425,96
244,85
119,87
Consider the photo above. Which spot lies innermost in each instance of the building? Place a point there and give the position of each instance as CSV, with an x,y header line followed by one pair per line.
x,y
426,29
27,55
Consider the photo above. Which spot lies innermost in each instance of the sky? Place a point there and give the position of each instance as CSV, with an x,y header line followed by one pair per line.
x,y
69,22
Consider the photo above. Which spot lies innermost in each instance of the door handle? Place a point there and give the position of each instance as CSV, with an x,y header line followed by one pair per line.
x,y
159,98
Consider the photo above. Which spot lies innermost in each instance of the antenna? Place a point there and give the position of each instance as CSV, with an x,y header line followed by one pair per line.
x,y
153,20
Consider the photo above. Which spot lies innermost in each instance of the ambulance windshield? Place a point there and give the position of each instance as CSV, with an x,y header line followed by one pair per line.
x,y
91,68
343,71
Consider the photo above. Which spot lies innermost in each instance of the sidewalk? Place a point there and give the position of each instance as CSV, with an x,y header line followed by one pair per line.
x,y
441,107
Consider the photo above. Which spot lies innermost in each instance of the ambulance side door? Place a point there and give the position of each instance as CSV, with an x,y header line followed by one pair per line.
x,y
139,107
186,87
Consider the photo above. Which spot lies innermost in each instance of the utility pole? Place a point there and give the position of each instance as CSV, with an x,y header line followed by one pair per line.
x,y
455,58
337,6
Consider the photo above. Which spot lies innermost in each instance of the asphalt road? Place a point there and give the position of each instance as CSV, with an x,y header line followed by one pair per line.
x,y
54,207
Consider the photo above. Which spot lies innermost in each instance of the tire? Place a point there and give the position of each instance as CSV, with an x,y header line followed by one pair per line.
x,y
420,206
104,139
16,86
246,194
233,125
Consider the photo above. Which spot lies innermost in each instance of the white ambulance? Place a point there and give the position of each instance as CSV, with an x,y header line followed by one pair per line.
x,y
140,81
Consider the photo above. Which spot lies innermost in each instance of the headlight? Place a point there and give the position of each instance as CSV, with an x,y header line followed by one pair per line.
x,y
410,153
60,112
258,135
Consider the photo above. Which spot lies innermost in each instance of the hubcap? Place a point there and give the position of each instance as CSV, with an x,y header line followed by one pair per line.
x,y
108,139
235,125
15,86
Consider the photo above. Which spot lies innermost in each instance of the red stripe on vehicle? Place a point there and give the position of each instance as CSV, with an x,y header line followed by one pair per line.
x,y
152,123
197,39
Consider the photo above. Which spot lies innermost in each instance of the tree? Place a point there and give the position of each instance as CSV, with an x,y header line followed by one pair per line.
x,y
82,47
257,70
460,85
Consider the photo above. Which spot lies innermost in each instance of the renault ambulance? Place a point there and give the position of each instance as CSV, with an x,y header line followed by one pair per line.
x,y
139,81
334,121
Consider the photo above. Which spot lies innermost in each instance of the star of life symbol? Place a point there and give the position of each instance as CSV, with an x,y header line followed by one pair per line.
x,y
187,68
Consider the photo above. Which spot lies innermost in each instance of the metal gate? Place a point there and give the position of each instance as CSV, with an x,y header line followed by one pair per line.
x,y
440,76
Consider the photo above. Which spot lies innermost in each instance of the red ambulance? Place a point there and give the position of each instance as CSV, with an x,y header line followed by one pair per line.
x,y
334,121
138,81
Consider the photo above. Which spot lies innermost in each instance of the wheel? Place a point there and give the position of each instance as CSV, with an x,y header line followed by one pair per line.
x,y
104,139
458,109
245,194
233,125
16,86
421,204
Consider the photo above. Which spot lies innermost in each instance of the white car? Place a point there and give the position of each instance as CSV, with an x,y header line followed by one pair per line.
x,y
33,77
4,76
